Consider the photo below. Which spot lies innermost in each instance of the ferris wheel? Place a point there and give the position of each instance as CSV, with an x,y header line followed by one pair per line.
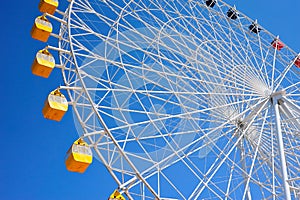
x,y
178,99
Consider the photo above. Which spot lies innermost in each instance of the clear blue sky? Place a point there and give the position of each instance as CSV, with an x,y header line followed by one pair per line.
x,y
32,148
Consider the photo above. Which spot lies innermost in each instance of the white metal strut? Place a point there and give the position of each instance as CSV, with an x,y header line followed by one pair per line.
x,y
276,101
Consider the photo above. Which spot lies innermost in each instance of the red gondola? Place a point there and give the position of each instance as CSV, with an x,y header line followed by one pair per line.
x,y
277,44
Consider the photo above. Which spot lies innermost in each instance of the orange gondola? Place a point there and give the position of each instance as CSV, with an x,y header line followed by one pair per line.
x,y
116,195
43,63
48,6
79,157
56,106
41,29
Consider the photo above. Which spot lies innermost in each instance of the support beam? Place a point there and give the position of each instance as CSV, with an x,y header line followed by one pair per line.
x,y
287,191
243,158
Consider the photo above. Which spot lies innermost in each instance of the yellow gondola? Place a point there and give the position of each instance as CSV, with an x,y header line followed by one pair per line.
x,y
116,195
48,6
43,64
41,29
79,157
56,106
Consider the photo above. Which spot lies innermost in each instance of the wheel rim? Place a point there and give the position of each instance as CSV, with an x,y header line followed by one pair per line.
x,y
186,90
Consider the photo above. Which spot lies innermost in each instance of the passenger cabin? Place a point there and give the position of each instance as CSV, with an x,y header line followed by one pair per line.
x,y
277,44
232,14
210,3
297,62
43,63
56,106
116,195
41,29
78,157
48,6
254,28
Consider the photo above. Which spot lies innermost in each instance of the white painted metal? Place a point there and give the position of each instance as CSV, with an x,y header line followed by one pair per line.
x,y
175,98
283,164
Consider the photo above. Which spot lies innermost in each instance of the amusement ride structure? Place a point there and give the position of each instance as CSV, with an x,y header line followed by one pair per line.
x,y
179,99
